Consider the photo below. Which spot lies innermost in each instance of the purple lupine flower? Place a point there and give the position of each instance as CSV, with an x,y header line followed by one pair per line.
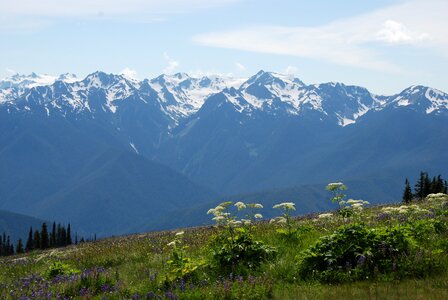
x,y
240,279
361,260
182,285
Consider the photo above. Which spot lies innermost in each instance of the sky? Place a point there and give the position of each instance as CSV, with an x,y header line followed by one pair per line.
x,y
383,45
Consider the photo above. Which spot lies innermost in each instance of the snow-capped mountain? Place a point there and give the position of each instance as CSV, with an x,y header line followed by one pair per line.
x,y
179,96
422,99
104,147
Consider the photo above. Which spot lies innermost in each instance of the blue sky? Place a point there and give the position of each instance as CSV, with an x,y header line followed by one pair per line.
x,y
384,45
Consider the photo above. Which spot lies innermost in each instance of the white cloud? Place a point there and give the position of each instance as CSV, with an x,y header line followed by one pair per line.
x,y
59,8
130,73
396,33
349,41
172,64
240,66
10,71
28,15
291,70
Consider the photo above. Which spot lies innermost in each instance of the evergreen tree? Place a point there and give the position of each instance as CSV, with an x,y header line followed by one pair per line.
x,y
426,186
421,186
53,235
445,188
407,193
44,241
29,242
36,239
69,235
59,236
19,248
9,248
63,237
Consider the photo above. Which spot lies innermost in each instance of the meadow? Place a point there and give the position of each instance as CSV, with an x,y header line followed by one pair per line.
x,y
357,252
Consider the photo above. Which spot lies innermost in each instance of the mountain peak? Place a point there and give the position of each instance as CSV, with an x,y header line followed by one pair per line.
x,y
101,79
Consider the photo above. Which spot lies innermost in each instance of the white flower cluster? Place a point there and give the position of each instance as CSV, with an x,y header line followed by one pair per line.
x,y
240,205
356,204
279,220
177,239
325,216
439,197
222,217
404,209
285,206
336,185
395,210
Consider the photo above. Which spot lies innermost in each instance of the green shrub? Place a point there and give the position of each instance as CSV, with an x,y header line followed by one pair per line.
x,y
355,252
234,248
233,251
181,266
58,269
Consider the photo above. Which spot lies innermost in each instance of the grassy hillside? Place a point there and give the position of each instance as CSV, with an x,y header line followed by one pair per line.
x,y
395,252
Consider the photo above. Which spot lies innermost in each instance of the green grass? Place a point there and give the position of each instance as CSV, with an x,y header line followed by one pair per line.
x,y
123,267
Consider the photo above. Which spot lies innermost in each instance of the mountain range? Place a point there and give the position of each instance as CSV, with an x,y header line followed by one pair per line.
x,y
112,154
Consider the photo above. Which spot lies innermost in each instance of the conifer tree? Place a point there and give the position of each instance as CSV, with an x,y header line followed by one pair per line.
x,y
19,247
407,193
36,239
69,235
44,241
29,242
63,237
420,186
53,235
59,236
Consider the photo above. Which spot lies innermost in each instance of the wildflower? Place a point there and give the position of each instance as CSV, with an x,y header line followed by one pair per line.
x,y
171,244
179,233
218,218
335,185
258,216
219,208
240,205
357,206
279,220
233,222
246,221
285,206
324,216
258,205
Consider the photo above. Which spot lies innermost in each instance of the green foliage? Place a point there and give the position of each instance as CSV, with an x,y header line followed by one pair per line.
x,y
181,266
355,252
284,221
337,189
234,247
58,268
394,249
239,250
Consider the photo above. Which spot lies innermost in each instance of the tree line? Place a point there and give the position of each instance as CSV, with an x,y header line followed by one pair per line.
x,y
6,247
58,236
425,185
